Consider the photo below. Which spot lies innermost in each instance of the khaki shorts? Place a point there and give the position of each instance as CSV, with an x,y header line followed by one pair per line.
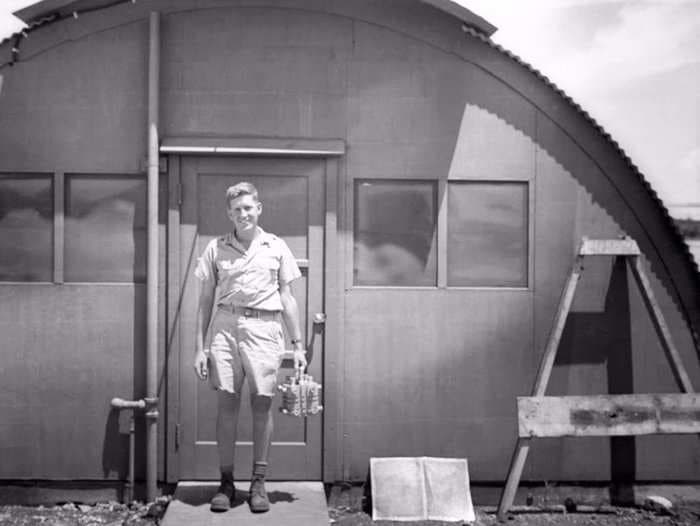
x,y
240,347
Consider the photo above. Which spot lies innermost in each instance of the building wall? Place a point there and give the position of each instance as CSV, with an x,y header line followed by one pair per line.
x,y
428,370
67,349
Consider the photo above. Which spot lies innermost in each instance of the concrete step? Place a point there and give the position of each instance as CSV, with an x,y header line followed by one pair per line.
x,y
291,504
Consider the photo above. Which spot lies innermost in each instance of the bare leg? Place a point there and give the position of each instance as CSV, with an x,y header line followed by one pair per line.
x,y
262,434
228,405
262,426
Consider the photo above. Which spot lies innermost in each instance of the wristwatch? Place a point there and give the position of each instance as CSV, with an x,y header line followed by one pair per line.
x,y
295,341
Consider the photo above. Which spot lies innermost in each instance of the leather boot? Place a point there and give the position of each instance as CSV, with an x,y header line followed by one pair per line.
x,y
259,502
224,495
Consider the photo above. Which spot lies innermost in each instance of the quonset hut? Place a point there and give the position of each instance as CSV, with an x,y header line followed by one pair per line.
x,y
433,187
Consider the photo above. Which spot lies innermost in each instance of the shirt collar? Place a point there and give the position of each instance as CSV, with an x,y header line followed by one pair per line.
x,y
262,239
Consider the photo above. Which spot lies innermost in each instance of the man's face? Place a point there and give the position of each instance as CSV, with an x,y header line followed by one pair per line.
x,y
244,212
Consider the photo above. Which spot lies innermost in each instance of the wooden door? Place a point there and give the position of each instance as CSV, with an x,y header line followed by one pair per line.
x,y
293,194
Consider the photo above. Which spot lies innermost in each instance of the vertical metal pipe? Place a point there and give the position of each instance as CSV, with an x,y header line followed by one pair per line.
x,y
152,271
132,455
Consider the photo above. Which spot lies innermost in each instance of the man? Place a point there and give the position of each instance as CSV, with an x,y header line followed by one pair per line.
x,y
245,293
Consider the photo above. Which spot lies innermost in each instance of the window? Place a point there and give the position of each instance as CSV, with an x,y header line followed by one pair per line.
x,y
105,228
395,233
487,234
26,228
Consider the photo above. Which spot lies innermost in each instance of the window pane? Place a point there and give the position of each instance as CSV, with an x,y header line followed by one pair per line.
x,y
105,229
395,223
487,234
26,229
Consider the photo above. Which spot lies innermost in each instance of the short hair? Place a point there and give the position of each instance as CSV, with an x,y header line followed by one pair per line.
x,y
239,189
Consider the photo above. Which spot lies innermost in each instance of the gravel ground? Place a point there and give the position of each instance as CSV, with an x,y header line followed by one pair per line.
x,y
684,516
70,514
620,518
138,514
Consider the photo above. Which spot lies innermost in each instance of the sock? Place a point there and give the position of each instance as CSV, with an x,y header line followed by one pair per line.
x,y
259,470
227,474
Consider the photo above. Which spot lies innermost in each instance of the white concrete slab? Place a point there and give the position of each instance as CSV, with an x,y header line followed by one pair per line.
x,y
291,504
421,488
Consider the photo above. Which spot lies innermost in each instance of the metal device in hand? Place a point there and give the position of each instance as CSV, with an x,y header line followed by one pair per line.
x,y
301,395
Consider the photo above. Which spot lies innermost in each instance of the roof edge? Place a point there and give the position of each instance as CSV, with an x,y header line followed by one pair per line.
x,y
467,16
471,19
39,9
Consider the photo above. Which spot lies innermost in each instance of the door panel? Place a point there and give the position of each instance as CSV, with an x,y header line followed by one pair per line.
x,y
292,193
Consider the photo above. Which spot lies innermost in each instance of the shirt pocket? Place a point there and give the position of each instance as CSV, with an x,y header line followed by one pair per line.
x,y
268,263
226,267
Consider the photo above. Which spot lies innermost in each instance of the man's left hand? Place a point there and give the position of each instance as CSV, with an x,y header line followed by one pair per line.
x,y
300,359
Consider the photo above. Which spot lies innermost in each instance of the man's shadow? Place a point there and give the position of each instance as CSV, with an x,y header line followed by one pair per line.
x,y
198,496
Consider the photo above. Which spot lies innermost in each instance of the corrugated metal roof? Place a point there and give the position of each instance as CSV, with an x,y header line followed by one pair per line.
x,y
38,14
470,18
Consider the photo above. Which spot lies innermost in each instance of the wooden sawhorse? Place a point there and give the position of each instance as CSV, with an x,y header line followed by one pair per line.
x,y
603,415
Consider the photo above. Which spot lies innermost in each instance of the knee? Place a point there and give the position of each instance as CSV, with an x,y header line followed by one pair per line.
x,y
260,403
228,402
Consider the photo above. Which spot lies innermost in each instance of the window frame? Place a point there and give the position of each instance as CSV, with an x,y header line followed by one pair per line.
x,y
64,197
441,232
51,177
354,184
58,185
529,234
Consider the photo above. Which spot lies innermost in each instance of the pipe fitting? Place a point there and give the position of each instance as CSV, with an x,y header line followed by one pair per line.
x,y
151,406
120,403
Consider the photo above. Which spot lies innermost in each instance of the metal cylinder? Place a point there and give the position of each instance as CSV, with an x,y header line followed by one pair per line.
x,y
129,493
152,255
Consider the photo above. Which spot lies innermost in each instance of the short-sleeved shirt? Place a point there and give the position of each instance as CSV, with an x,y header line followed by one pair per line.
x,y
248,278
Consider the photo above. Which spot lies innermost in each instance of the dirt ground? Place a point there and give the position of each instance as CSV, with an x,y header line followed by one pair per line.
x,y
487,517
70,514
115,514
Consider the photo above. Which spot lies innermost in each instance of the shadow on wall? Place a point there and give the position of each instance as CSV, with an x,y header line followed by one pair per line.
x,y
611,191
115,450
606,337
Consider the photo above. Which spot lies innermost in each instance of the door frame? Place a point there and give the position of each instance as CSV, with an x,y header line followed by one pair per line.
x,y
329,151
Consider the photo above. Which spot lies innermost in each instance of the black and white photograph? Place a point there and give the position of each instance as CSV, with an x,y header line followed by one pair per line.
x,y
349,262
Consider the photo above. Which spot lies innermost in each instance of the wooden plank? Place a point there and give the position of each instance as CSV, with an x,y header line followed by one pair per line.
x,y
515,471
662,330
608,415
609,247
522,448
550,352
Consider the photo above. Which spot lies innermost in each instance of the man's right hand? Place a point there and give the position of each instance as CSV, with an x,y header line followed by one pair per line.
x,y
201,367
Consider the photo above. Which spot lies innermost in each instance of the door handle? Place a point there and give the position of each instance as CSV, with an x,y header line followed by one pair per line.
x,y
319,318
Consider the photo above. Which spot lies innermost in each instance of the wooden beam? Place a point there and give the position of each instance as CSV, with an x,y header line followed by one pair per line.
x,y
662,330
515,470
550,351
517,462
609,247
608,415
